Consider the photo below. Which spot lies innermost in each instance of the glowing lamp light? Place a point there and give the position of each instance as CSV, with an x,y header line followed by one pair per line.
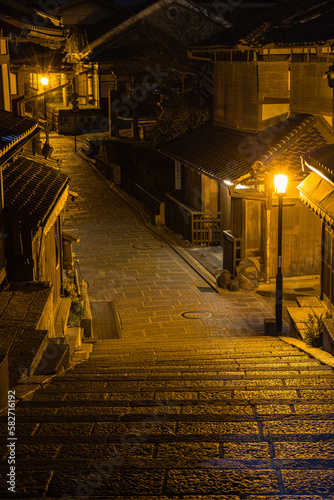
x,y
281,182
44,80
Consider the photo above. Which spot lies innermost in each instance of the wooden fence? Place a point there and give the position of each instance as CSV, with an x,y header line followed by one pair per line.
x,y
199,228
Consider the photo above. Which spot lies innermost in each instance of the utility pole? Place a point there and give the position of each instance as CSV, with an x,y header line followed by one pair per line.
x,y
75,107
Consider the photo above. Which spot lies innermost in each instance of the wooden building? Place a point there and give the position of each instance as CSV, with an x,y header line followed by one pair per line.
x,y
34,195
15,133
225,193
317,192
272,104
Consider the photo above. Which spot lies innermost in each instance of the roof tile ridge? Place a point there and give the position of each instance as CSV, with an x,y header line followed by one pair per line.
x,y
291,137
255,33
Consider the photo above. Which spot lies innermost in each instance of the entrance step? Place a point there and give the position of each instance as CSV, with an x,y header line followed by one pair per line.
x,y
73,338
55,358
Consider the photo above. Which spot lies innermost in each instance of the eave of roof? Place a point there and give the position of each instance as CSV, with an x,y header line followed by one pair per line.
x,y
318,194
134,15
13,130
320,160
31,190
290,26
233,156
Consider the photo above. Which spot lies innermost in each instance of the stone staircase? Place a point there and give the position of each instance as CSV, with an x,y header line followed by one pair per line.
x,y
197,419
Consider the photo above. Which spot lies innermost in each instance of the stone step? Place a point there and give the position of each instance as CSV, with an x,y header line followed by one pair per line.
x,y
269,421
73,338
116,482
293,361
129,370
65,464
188,345
262,409
153,375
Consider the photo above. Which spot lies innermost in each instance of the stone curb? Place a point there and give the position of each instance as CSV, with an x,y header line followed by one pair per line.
x,y
315,352
86,321
26,388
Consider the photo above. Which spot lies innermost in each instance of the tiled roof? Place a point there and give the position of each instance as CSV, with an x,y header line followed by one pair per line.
x,y
318,194
13,129
29,14
227,154
291,24
138,44
31,190
291,157
322,160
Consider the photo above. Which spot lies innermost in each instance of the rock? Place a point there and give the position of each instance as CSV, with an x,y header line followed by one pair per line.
x,y
233,285
224,279
248,275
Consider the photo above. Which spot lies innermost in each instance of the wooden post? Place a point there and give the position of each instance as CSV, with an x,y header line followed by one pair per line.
x,y
113,115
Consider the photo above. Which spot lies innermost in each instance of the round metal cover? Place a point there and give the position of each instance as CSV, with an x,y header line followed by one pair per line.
x,y
147,246
196,315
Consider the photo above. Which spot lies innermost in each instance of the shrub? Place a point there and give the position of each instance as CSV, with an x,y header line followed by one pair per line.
x,y
314,330
77,309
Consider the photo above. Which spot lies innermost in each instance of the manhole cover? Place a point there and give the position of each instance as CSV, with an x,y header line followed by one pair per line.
x,y
196,315
147,246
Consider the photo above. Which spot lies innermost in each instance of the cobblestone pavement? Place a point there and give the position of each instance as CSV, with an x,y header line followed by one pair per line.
x,y
179,408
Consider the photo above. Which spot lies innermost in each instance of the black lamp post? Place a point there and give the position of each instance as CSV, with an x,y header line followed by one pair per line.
x,y
281,182
44,82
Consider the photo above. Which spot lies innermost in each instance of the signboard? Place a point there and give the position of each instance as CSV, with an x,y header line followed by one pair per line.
x,y
177,175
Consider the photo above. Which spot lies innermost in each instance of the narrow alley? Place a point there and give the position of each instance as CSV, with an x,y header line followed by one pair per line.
x,y
190,401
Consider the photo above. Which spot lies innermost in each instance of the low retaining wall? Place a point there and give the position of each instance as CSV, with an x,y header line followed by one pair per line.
x,y
328,335
155,207
111,171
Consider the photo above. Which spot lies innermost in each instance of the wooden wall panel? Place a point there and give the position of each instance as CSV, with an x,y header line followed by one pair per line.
x,y
193,189
301,241
273,79
236,94
210,194
253,228
310,92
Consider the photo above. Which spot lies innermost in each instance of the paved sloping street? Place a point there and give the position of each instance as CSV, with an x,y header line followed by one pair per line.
x,y
152,286
191,401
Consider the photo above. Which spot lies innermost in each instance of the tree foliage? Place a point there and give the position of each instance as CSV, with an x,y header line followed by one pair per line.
x,y
182,117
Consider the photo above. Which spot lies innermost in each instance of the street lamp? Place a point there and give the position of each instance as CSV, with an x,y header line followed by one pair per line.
x,y
44,81
281,182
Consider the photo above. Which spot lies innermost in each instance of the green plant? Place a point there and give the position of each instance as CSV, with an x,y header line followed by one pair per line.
x,y
77,309
314,329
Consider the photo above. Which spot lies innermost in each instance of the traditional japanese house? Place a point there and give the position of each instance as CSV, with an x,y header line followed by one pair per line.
x,y
40,79
15,133
34,195
225,193
272,104
317,192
